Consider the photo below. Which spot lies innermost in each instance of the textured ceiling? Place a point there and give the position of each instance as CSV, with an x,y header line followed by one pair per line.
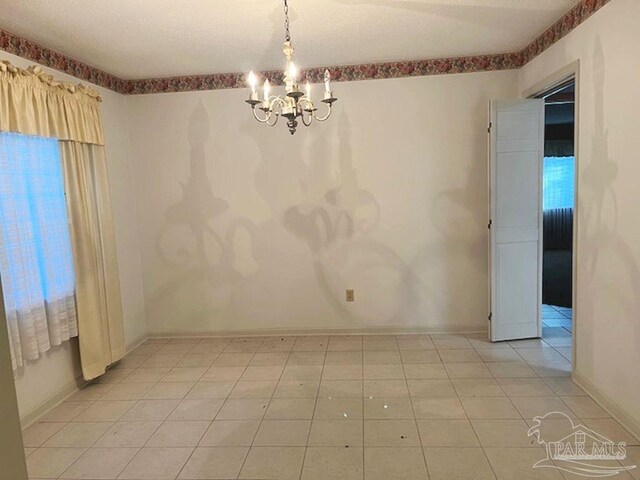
x,y
162,38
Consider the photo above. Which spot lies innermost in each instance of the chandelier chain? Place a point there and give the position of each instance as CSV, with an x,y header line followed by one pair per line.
x,y
287,35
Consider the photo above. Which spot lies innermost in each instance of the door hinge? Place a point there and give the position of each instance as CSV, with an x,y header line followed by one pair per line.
x,y
489,129
489,224
490,316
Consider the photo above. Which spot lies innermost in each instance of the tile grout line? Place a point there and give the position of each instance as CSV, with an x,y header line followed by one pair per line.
x,y
224,403
483,447
415,419
162,422
159,381
184,397
268,403
315,404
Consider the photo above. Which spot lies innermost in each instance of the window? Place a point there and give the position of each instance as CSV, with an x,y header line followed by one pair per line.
x,y
558,183
36,261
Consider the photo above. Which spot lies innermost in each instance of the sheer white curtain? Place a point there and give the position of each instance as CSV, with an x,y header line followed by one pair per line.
x,y
36,262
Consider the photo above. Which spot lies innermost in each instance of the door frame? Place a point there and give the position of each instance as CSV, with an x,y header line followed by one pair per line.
x,y
12,456
571,71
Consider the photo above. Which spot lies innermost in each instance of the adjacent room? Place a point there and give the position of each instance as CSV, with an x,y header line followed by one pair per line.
x,y
558,203
304,240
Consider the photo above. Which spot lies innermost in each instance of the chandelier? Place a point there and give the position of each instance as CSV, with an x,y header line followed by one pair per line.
x,y
294,104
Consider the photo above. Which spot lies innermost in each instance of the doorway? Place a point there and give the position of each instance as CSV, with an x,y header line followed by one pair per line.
x,y
526,137
558,202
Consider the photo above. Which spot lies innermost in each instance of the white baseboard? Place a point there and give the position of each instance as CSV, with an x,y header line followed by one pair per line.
x,y
66,391
610,406
390,330
51,402
132,345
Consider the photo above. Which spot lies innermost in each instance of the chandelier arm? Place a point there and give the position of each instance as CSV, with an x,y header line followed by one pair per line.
x,y
275,103
307,106
275,100
306,123
261,120
322,119
276,117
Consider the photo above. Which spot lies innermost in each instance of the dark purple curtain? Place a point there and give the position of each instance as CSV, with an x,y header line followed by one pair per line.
x,y
558,229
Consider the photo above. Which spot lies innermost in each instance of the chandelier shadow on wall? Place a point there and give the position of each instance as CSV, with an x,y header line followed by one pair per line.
x,y
294,104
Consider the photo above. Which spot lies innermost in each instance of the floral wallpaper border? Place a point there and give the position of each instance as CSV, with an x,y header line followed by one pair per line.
x,y
482,63
369,71
570,21
32,51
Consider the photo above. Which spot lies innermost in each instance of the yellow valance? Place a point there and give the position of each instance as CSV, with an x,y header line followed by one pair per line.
x,y
33,103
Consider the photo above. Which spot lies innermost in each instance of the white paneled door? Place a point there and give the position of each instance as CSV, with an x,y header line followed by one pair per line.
x,y
515,213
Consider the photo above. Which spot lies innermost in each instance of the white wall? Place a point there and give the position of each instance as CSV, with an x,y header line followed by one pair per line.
x,y
58,369
247,228
56,373
608,250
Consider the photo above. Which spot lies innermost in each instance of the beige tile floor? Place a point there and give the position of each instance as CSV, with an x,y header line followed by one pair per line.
x,y
557,328
316,408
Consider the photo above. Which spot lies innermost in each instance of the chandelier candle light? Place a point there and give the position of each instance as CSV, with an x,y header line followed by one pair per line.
x,y
294,104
